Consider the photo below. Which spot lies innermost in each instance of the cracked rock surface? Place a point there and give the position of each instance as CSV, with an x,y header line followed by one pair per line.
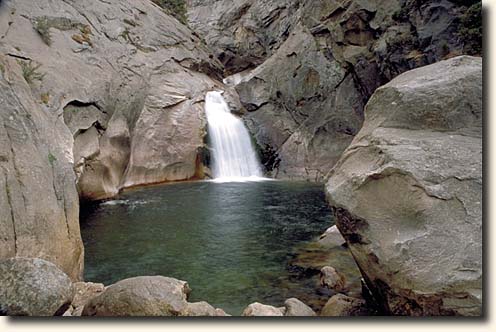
x,y
407,193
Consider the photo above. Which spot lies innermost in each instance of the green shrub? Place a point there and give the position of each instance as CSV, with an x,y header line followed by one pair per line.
x,y
30,71
176,8
43,24
51,159
471,29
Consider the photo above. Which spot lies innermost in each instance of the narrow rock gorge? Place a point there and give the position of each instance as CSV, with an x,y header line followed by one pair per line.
x,y
380,101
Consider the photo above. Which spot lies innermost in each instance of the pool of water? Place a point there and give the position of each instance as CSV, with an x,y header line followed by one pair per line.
x,y
232,242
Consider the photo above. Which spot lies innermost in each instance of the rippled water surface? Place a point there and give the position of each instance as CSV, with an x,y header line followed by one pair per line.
x,y
232,242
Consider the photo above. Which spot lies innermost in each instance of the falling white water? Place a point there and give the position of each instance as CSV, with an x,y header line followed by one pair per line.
x,y
234,158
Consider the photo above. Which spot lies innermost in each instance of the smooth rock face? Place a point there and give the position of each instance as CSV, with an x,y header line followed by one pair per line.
x,y
39,207
407,193
258,309
332,279
316,63
343,306
295,307
33,287
127,79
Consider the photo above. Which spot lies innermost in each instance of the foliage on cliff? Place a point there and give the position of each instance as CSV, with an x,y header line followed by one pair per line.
x,y
471,29
176,8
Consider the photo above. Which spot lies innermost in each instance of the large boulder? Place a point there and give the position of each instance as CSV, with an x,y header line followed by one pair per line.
x,y
127,80
316,63
407,193
140,296
39,207
33,287
148,296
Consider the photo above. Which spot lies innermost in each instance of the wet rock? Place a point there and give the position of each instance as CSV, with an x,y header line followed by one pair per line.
x,y
258,309
33,287
295,307
407,193
332,279
141,296
332,237
341,306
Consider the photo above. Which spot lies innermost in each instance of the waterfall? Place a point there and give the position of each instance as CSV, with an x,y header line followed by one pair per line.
x,y
234,158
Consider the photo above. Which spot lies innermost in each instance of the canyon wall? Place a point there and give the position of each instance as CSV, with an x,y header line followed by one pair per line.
x,y
307,68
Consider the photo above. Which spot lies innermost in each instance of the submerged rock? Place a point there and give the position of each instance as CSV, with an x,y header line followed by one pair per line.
x,y
332,279
258,309
33,287
407,193
295,307
341,305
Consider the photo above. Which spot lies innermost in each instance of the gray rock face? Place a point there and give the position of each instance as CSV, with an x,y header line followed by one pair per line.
x,y
296,308
39,207
127,79
296,103
242,33
317,63
343,306
33,287
259,309
407,193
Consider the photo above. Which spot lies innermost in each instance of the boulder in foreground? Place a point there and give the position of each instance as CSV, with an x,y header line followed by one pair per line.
x,y
33,287
341,306
148,296
295,307
259,309
407,193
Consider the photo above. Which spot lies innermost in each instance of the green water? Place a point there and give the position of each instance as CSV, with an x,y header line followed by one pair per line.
x,y
232,242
